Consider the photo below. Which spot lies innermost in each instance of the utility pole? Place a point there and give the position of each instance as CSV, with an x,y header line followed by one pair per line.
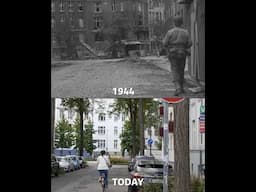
x,y
165,147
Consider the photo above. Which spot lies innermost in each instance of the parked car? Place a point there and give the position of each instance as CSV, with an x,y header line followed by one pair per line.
x,y
65,163
54,166
75,161
82,162
133,161
149,169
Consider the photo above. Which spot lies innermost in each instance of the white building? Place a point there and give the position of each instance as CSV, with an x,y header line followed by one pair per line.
x,y
107,127
196,137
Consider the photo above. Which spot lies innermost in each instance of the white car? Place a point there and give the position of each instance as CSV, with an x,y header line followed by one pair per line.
x,y
65,163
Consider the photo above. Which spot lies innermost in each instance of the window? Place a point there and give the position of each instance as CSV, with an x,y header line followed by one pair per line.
x,y
72,21
62,18
116,117
101,144
99,36
113,5
53,22
123,117
81,23
115,130
115,144
70,6
98,7
140,20
98,22
70,115
139,7
101,130
102,117
61,114
80,6
122,6
53,6
61,6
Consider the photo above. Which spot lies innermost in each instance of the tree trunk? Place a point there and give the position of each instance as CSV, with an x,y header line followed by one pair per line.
x,y
133,122
52,123
142,139
181,147
81,147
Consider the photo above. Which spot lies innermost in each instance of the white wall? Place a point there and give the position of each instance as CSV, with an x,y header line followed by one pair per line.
x,y
196,139
109,124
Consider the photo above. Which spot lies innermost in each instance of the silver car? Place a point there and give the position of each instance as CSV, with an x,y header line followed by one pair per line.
x,y
66,163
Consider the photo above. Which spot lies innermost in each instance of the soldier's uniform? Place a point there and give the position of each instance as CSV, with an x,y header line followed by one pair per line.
x,y
177,41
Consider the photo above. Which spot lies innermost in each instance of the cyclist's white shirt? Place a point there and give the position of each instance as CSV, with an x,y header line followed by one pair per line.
x,y
102,165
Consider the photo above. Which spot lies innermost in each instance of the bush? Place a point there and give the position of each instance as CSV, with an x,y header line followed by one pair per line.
x,y
118,161
197,185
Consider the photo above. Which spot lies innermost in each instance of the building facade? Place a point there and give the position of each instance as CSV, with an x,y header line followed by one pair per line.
x,y
196,134
93,22
107,127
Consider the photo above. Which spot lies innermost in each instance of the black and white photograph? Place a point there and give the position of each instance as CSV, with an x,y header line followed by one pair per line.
x,y
127,48
128,145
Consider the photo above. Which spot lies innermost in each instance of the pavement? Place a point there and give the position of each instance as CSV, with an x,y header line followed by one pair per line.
x,y
86,180
148,76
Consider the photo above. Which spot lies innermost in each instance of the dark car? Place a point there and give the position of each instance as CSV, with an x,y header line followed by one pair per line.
x,y
55,166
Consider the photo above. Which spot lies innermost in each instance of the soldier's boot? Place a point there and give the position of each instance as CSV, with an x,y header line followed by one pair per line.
x,y
178,89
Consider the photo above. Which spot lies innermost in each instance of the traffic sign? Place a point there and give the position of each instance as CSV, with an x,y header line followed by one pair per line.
x,y
150,141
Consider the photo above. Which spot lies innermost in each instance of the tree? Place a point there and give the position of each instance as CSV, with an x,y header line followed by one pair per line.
x,y
181,147
89,143
64,134
126,139
129,107
81,106
148,118
87,136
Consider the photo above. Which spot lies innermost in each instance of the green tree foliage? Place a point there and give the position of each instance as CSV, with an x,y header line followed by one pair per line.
x,y
81,106
89,144
87,136
130,108
64,135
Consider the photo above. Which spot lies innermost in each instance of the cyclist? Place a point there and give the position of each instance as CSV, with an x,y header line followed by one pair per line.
x,y
103,164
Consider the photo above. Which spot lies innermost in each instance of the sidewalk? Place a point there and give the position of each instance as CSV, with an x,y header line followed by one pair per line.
x,y
163,63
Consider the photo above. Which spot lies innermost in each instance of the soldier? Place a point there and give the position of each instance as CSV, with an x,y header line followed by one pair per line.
x,y
177,42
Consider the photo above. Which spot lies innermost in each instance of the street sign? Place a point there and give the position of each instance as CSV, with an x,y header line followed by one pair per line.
x,y
202,119
150,141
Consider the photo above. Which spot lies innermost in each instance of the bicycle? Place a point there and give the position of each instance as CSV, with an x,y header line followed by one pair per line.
x,y
102,182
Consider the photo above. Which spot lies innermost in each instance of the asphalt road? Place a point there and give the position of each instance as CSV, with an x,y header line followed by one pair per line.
x,y
149,77
86,180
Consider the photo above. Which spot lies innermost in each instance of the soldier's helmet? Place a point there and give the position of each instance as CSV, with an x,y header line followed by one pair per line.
x,y
178,20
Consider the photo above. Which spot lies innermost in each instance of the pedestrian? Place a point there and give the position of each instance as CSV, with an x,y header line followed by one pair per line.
x,y
177,42
103,164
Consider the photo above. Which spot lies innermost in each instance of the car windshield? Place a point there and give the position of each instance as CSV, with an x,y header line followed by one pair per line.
x,y
62,159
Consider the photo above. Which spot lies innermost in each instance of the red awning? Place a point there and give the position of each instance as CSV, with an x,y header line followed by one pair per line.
x,y
173,100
